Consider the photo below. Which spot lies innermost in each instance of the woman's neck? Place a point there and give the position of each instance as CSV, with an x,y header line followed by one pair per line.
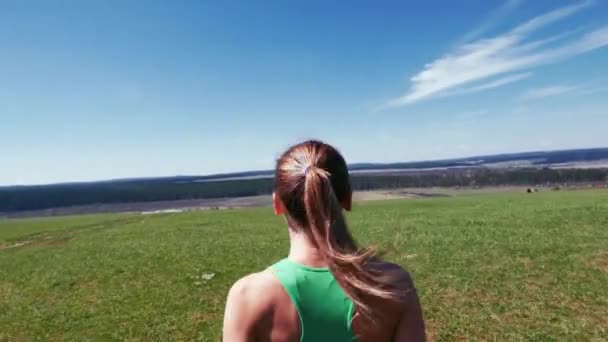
x,y
302,250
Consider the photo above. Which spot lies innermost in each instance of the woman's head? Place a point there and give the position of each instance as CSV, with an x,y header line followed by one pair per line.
x,y
312,186
309,160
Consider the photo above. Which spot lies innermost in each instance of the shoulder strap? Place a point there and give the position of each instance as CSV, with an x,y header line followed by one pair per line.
x,y
324,310
285,272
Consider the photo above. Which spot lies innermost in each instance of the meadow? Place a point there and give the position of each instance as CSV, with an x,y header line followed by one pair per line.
x,y
491,266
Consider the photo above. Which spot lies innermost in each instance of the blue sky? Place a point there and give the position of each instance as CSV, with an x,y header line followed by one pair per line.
x,y
95,90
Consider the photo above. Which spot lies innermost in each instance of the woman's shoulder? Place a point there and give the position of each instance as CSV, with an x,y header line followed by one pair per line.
x,y
388,313
410,324
395,274
255,287
249,301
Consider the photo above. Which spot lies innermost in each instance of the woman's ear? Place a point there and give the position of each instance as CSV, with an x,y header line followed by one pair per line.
x,y
347,202
277,205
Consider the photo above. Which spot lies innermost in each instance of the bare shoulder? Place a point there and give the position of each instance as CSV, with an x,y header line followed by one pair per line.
x,y
249,301
411,325
255,288
397,273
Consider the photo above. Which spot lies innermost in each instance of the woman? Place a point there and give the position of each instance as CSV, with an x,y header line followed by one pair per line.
x,y
327,289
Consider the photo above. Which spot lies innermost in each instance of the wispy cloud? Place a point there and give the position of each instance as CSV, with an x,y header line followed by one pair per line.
x,y
555,90
492,84
538,93
491,20
501,55
594,90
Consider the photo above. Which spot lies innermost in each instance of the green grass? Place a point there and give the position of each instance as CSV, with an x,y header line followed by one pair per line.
x,y
507,266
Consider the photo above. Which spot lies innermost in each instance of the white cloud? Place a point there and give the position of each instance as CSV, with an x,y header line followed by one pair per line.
x,y
547,18
548,91
506,53
555,90
491,20
492,84
593,90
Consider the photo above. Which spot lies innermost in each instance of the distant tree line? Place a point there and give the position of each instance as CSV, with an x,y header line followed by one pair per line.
x,y
481,177
51,196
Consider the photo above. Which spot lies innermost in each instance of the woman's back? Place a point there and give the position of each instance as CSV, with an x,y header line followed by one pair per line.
x,y
287,303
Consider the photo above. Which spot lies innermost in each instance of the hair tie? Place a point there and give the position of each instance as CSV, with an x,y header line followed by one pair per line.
x,y
306,168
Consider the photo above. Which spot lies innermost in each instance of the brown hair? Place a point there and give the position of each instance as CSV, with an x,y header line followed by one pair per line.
x,y
311,181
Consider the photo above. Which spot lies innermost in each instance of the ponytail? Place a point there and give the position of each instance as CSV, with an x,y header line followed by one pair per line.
x,y
351,266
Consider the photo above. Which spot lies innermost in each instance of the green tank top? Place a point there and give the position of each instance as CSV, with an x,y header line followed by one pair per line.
x,y
324,309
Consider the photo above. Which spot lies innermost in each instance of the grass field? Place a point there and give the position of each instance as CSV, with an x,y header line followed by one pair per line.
x,y
508,266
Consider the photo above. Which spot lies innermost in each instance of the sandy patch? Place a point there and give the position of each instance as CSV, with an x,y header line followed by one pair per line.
x,y
599,261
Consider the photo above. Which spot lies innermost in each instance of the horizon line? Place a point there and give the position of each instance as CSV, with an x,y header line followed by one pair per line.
x,y
228,174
